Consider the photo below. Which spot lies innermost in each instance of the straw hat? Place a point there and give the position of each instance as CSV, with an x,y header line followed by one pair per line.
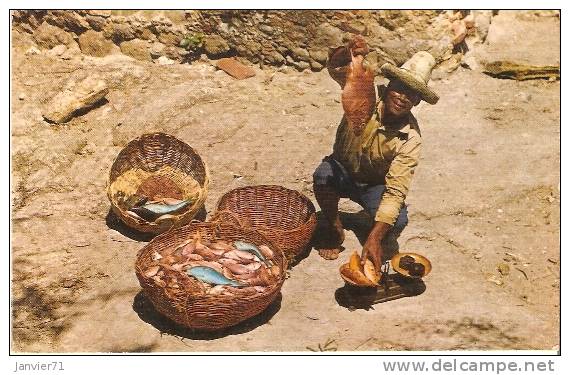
x,y
415,73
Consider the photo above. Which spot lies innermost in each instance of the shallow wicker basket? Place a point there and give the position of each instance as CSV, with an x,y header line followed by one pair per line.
x,y
285,217
158,154
206,312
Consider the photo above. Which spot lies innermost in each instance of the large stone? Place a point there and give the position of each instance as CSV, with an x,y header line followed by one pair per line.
x,y
274,58
100,13
68,20
319,55
235,68
215,45
146,34
136,48
94,43
118,32
327,35
170,39
97,23
48,36
301,54
316,66
75,99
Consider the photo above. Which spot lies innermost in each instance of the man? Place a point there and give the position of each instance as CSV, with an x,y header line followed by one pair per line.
x,y
373,164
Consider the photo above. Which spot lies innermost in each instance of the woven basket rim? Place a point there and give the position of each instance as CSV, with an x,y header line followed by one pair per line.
x,y
214,226
184,217
300,195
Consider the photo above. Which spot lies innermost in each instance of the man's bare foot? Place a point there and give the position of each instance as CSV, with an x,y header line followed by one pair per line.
x,y
335,238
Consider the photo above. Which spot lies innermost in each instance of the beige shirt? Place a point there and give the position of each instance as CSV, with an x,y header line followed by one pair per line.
x,y
381,155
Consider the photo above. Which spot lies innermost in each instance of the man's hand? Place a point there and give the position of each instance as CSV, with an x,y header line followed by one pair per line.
x,y
372,247
373,250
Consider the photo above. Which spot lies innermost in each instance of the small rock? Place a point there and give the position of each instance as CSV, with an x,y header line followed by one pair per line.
x,y
500,210
301,65
22,96
266,28
234,68
62,107
503,269
137,49
57,50
69,283
32,51
163,60
470,152
156,49
215,45
93,43
523,96
478,256
495,280
316,66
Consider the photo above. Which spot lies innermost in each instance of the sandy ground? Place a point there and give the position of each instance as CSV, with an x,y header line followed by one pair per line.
x,y
486,193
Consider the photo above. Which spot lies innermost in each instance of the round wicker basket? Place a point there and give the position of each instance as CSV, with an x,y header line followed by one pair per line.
x,y
285,217
206,312
163,156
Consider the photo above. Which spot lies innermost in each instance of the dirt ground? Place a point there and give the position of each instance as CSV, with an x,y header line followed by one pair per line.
x,y
486,193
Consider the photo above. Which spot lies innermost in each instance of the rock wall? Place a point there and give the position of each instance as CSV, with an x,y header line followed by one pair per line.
x,y
299,39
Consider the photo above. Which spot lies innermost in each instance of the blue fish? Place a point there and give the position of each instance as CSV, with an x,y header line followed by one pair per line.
x,y
250,248
211,276
152,211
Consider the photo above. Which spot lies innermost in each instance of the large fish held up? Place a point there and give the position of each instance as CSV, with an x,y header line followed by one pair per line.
x,y
358,94
346,66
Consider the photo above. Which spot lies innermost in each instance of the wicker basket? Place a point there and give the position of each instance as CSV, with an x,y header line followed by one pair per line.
x,y
206,312
158,154
286,217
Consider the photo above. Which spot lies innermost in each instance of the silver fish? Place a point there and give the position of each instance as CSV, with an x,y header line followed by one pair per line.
x,y
153,211
211,276
250,248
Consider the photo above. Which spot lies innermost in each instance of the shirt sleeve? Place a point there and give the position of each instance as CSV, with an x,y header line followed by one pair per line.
x,y
398,180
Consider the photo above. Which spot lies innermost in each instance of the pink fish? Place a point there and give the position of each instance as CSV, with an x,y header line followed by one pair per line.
x,y
232,254
358,95
266,251
220,245
205,253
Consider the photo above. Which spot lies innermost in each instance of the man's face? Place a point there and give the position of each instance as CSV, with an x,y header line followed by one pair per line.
x,y
400,99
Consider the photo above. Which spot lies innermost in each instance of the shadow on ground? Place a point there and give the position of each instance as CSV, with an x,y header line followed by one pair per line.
x,y
146,311
113,222
396,287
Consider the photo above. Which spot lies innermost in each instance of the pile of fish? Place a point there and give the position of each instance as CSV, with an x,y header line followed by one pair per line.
x,y
353,272
157,199
217,267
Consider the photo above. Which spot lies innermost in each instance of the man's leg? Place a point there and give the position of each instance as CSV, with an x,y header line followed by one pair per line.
x,y
370,199
325,186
